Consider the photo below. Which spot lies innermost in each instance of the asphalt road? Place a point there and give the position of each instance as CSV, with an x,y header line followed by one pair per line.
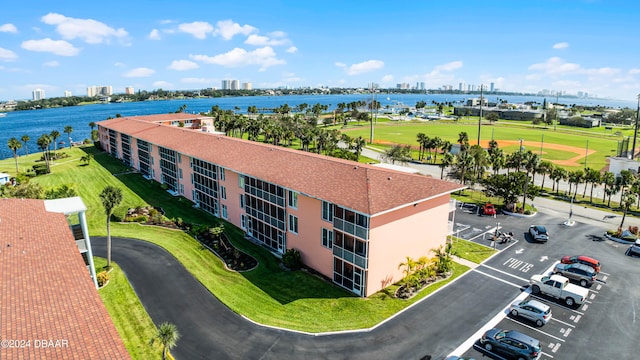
x,y
434,327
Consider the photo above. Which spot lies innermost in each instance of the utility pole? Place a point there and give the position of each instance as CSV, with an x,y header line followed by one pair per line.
x,y
372,105
586,155
480,117
555,121
635,131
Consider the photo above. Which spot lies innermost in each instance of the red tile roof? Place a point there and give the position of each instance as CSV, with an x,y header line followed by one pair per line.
x,y
360,187
46,292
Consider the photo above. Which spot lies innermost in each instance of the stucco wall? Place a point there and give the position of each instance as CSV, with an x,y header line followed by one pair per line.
x,y
309,238
412,231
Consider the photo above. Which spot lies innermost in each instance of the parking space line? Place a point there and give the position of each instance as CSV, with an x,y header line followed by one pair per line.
x,y
604,273
535,329
557,303
497,278
562,322
504,272
544,353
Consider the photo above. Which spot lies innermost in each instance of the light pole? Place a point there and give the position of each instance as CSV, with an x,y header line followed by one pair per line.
x,y
555,122
480,117
635,131
570,221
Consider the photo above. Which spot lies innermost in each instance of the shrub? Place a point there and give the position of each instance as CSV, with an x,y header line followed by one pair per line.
x,y
138,218
292,259
40,169
102,278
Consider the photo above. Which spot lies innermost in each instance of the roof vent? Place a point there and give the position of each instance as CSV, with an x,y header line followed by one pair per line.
x,y
389,178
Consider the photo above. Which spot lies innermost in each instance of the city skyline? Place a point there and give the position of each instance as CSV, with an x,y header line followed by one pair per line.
x,y
570,47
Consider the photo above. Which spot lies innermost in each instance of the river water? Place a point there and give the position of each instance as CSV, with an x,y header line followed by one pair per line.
x,y
35,123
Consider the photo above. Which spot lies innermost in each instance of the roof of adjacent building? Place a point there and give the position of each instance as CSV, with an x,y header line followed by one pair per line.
x,y
46,292
364,188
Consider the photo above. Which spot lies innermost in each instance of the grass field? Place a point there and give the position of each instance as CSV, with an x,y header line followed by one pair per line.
x,y
556,146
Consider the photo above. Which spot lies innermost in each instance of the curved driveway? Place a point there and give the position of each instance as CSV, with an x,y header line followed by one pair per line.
x,y
434,326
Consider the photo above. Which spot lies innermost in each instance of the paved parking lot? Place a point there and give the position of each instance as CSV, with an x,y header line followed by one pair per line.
x,y
604,326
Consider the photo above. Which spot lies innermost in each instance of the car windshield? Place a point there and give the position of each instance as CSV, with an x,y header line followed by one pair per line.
x,y
541,229
500,335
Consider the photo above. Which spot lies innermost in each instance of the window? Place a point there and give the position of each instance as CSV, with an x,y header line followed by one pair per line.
x,y
222,174
223,192
241,201
243,221
293,199
224,212
327,211
179,159
180,173
241,182
327,238
181,189
293,224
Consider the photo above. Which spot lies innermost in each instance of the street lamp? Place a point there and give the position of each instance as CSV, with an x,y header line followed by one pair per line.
x,y
480,117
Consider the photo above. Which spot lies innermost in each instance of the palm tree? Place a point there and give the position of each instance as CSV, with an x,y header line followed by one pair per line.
x,y
14,144
25,139
626,200
447,160
531,163
43,143
111,197
55,134
94,134
421,138
608,179
545,168
593,177
463,140
168,336
358,144
68,130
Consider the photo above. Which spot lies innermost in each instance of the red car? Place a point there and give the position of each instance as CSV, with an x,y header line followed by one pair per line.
x,y
581,259
489,209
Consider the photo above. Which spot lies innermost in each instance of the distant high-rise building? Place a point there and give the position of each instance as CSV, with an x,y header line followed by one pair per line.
x,y
492,87
462,86
247,86
421,85
38,94
67,93
226,84
99,91
235,85
129,90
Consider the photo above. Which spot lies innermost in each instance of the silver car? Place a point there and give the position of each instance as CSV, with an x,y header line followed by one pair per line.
x,y
532,310
538,233
583,274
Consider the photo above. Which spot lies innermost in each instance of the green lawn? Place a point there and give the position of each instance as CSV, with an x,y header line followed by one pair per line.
x,y
471,251
604,143
129,316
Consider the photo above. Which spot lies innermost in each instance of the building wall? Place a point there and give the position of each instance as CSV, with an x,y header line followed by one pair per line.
x,y
410,231
309,238
233,190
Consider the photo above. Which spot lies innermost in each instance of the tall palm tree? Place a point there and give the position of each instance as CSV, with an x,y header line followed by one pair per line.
x,y
421,138
25,139
68,130
531,162
14,144
168,336
626,200
608,179
55,134
593,177
545,168
94,134
43,143
358,144
447,160
111,197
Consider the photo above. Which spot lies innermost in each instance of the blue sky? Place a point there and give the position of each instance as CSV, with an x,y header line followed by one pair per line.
x,y
558,45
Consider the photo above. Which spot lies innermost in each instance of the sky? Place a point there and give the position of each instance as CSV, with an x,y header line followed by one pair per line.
x,y
569,46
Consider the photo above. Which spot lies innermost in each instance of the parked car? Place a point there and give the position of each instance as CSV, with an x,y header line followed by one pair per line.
x,y
581,259
511,344
539,233
559,287
583,274
489,209
533,310
634,250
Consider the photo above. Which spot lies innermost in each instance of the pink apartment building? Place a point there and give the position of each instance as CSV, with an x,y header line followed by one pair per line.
x,y
353,223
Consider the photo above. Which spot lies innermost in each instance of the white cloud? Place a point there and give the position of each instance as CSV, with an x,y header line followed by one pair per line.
x,y
364,67
265,57
164,22
10,28
58,47
139,72
561,45
340,64
387,78
154,35
555,66
603,71
199,29
89,30
276,38
162,85
7,55
228,29
118,64
51,63
634,71
450,66
292,50
183,65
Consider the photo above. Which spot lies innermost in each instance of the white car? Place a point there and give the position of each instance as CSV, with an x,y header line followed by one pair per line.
x,y
539,233
532,310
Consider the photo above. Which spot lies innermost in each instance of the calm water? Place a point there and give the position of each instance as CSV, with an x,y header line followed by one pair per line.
x,y
38,122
